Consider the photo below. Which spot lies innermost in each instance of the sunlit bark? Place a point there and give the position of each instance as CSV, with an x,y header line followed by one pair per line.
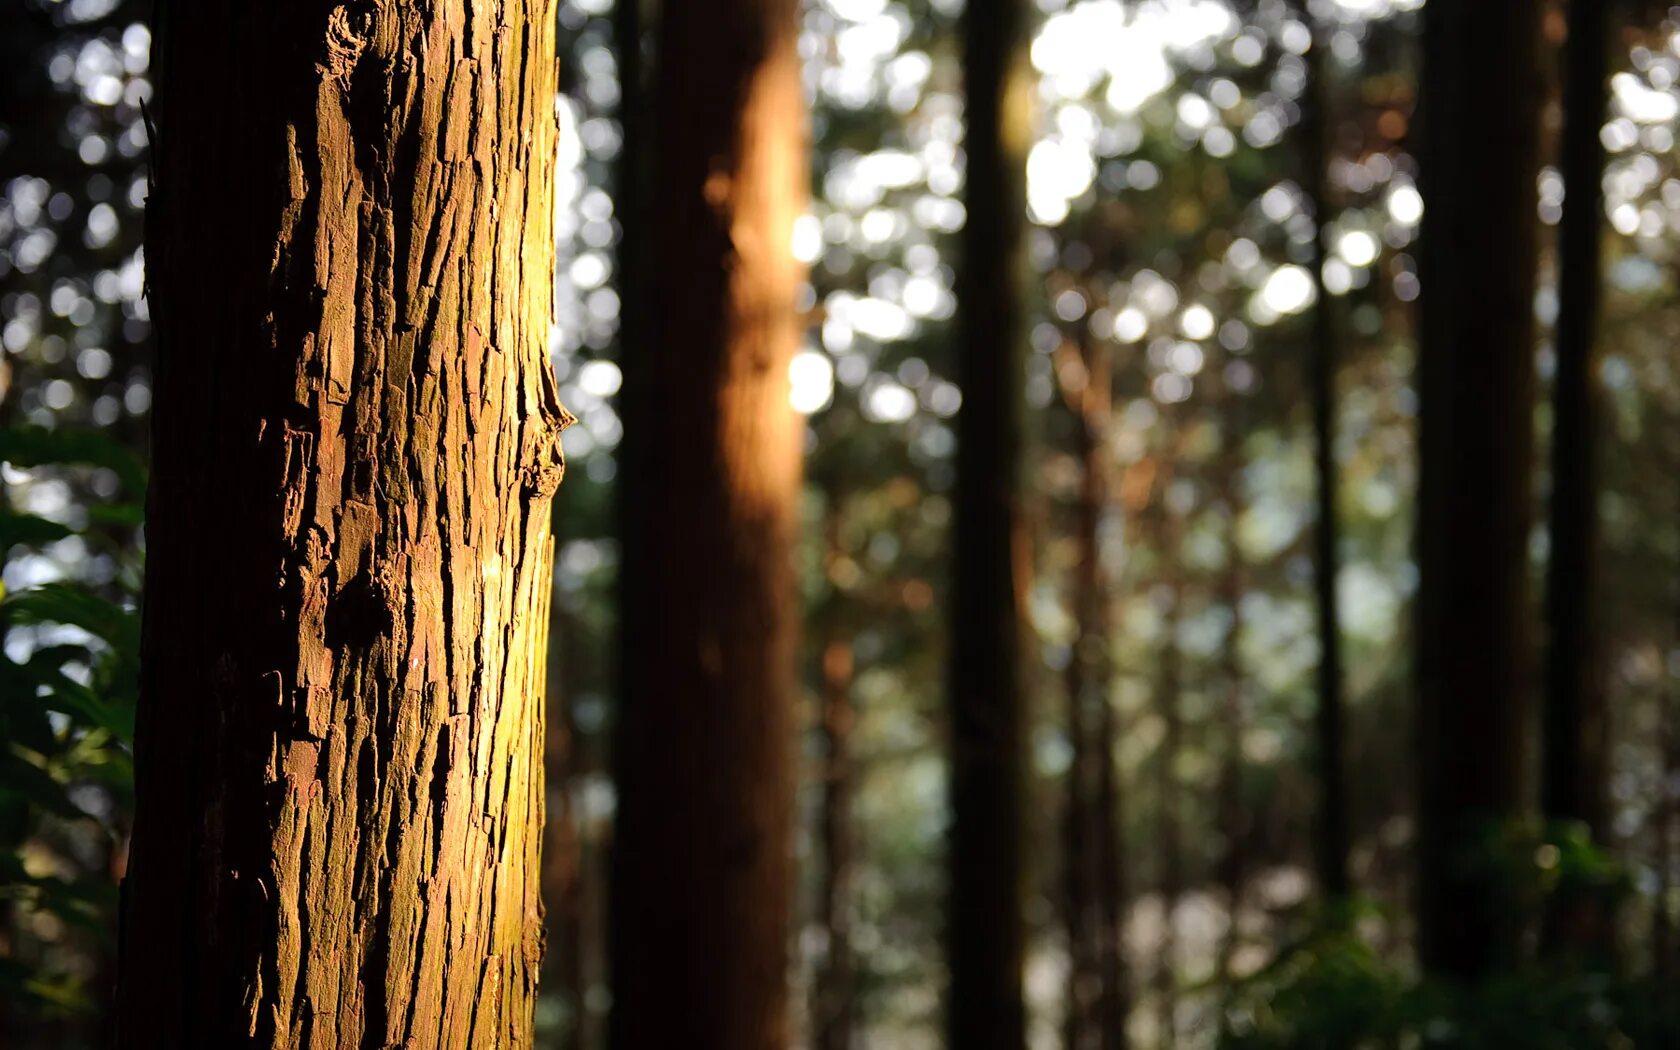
x,y
356,440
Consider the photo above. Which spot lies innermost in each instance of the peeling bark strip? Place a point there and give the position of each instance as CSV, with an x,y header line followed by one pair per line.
x,y
710,468
356,439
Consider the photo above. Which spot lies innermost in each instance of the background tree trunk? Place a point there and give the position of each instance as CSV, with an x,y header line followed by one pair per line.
x,y
1090,882
833,992
1574,730
1476,380
1574,766
356,438
1233,814
984,921
1169,687
1331,830
703,876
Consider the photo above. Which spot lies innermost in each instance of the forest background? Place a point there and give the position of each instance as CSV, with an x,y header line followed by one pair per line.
x,y
1194,162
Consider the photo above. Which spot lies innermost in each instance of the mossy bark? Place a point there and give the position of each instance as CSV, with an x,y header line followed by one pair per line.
x,y
356,441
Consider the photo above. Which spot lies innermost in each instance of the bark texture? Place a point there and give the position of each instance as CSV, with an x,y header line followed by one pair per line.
x,y
356,440
702,887
984,919
1480,126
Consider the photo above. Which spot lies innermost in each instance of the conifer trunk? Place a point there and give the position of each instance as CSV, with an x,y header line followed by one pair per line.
x,y
702,891
1574,766
984,924
355,443
1331,825
1480,126
834,985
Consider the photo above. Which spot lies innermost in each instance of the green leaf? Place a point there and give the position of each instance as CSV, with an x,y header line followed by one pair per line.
x,y
33,446
68,603
30,529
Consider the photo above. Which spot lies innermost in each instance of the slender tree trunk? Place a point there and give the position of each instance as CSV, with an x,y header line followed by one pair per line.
x,y
1115,1006
355,442
1665,959
1332,823
1169,686
562,851
703,864
1091,849
833,991
1665,951
1574,766
984,922
1078,846
1574,734
1476,377
1233,817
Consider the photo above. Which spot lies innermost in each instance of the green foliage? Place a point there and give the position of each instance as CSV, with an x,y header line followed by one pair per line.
x,y
1332,989
68,679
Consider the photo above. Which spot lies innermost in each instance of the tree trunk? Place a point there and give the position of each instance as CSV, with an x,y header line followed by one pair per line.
x,y
833,986
1331,832
1574,737
1233,815
1091,877
984,922
1476,383
1169,701
703,864
563,855
355,442
1574,731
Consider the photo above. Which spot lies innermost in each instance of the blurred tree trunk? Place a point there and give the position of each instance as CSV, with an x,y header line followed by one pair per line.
x,y
562,856
1574,729
355,443
703,865
1233,814
1479,121
833,988
1096,1000
833,992
1169,700
1665,953
984,919
1331,831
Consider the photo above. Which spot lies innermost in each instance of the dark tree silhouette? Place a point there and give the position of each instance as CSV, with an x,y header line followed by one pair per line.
x,y
984,922
1480,127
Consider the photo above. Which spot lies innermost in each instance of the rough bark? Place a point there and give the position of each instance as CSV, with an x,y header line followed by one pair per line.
x,y
1331,831
1479,122
702,887
355,443
984,931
